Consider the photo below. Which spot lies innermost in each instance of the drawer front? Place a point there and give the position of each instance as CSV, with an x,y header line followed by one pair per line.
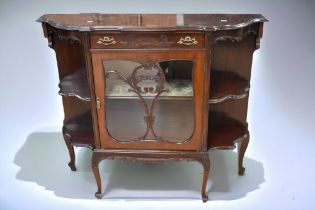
x,y
147,40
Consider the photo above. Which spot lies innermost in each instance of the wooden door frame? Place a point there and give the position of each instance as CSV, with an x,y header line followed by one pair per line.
x,y
200,84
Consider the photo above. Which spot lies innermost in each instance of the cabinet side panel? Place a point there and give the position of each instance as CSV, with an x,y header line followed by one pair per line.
x,y
69,53
234,56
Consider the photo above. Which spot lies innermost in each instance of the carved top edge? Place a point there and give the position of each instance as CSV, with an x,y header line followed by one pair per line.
x,y
150,22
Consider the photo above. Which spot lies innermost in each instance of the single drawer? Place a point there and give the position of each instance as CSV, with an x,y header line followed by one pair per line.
x,y
147,40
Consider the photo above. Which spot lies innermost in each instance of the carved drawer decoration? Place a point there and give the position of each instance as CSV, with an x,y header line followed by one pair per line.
x,y
147,40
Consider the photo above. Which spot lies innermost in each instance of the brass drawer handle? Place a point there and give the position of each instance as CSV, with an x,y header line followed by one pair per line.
x,y
106,40
188,40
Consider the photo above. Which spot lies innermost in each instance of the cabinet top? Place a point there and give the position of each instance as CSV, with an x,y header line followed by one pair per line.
x,y
150,22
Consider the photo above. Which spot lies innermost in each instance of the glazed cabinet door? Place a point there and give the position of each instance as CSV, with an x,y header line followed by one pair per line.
x,y
150,99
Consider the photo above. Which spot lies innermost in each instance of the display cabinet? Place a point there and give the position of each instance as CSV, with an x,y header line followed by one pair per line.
x,y
154,88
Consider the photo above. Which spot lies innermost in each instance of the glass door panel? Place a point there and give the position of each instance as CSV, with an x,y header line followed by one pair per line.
x,y
149,101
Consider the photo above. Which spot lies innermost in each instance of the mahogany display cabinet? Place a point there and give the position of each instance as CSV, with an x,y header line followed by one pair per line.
x,y
152,87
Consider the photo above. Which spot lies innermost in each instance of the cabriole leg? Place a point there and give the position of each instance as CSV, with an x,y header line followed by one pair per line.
x,y
67,139
95,161
205,161
241,152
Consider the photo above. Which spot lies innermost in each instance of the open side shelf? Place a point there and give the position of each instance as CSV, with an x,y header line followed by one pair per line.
x,y
224,86
80,130
224,132
75,84
227,85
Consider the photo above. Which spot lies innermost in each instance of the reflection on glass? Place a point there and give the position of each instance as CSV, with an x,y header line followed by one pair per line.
x,y
149,101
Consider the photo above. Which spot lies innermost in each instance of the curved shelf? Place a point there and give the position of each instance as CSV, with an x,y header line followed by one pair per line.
x,y
80,130
224,132
224,86
227,85
75,84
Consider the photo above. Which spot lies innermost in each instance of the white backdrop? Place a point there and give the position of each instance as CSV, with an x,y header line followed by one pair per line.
x,y
280,159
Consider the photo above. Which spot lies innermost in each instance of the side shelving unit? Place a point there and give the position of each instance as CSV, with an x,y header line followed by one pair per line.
x,y
229,90
77,129
80,129
224,131
227,85
75,84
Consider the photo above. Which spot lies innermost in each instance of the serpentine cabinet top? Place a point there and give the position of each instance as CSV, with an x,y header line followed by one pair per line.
x,y
150,22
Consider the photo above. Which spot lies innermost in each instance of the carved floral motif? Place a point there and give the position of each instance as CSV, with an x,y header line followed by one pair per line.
x,y
71,37
241,34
